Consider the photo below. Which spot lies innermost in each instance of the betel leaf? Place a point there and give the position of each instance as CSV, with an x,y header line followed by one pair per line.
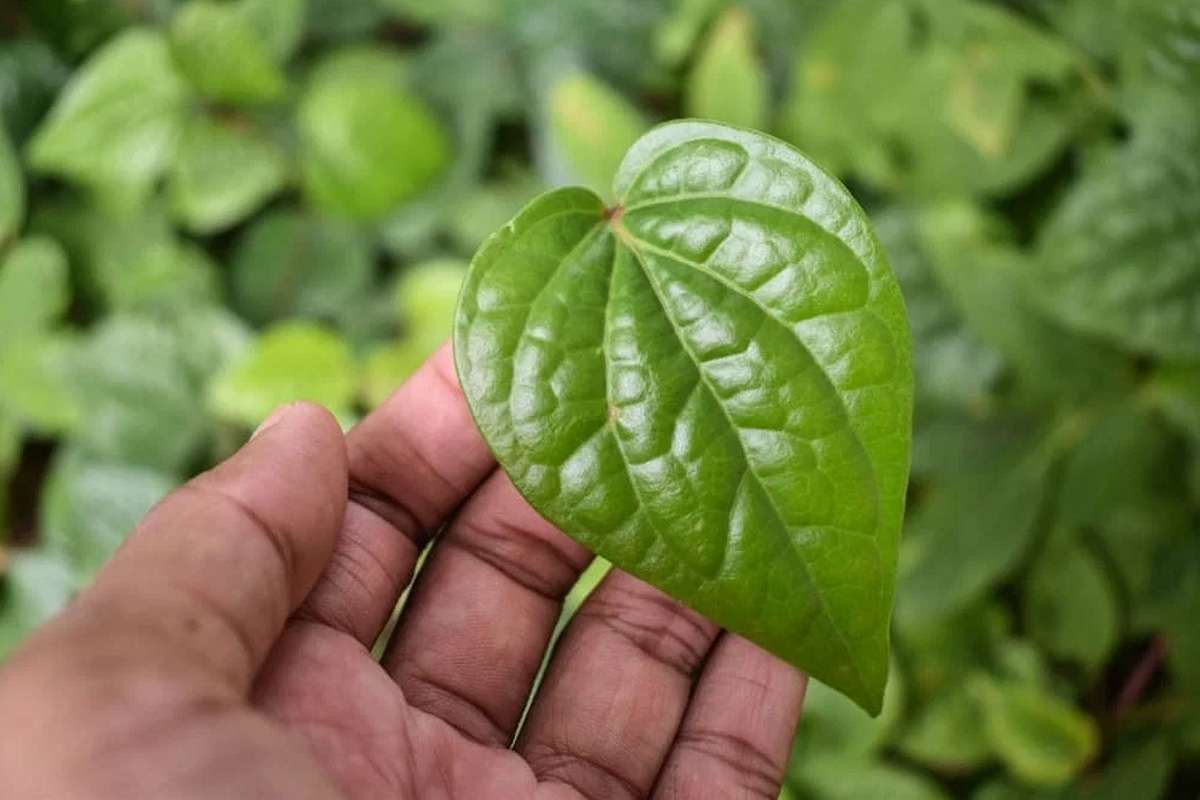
x,y
947,733
728,82
280,23
1162,43
34,290
426,295
35,383
708,384
33,587
115,124
1042,739
91,504
974,526
366,143
1117,258
591,126
222,173
954,367
1071,607
289,264
138,398
933,96
34,74
291,362
980,271
222,53
847,778
12,190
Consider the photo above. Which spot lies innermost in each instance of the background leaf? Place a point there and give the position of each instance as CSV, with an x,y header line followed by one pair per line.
x,y
1025,165
1117,258
1042,739
727,83
12,191
223,54
116,123
291,362
294,265
591,126
91,505
367,144
33,587
222,173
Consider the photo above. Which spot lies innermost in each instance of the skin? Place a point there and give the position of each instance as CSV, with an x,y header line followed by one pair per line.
x,y
224,652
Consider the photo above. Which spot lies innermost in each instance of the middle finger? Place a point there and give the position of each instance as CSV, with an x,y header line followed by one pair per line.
x,y
474,630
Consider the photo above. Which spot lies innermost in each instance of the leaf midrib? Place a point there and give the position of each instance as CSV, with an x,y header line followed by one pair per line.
x,y
624,237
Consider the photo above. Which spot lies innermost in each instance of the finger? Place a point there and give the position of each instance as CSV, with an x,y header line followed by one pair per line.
x,y
216,568
481,614
615,690
736,736
412,462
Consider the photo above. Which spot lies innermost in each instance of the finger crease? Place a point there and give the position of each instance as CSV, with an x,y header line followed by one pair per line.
x,y
756,771
391,511
242,637
437,699
555,766
659,641
280,542
526,573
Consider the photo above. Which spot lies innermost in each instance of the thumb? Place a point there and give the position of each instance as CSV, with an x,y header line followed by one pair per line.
x,y
218,566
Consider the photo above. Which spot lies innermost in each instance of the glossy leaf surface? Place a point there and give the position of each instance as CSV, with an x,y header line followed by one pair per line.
x,y
710,386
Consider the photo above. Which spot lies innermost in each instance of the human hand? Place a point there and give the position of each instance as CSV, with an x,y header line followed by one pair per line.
x,y
225,651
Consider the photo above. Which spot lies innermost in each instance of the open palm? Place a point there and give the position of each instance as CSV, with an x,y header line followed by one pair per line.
x,y
225,651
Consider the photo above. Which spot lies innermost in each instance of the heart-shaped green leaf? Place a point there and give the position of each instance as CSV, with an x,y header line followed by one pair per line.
x,y
708,384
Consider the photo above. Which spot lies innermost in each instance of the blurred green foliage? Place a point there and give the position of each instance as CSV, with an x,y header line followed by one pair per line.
x,y
208,207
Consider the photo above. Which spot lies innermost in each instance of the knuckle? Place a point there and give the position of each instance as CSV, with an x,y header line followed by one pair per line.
x,y
658,627
753,771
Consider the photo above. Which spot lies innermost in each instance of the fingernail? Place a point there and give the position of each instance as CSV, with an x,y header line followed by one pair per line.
x,y
273,419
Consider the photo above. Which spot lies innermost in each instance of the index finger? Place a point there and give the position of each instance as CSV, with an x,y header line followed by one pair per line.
x,y
412,462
